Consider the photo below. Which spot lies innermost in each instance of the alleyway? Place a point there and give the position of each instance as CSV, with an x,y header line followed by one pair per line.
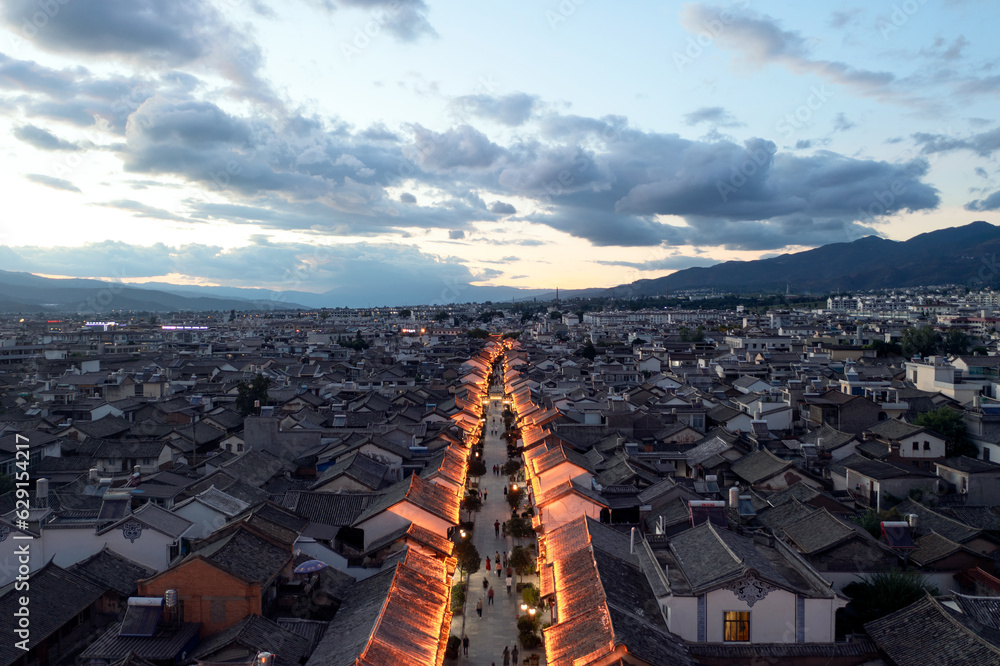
x,y
498,627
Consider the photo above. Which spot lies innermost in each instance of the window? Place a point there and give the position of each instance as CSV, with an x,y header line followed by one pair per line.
x,y
737,626
916,446
927,445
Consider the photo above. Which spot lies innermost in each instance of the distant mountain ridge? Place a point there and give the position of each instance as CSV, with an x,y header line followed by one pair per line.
x,y
956,255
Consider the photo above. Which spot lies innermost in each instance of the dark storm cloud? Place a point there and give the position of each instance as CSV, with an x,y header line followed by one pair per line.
x,y
463,146
992,202
513,110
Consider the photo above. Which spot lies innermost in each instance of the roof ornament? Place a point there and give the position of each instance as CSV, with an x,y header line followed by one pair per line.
x,y
750,589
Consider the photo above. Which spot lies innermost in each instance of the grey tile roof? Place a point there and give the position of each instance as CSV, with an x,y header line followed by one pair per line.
x,y
985,610
62,594
932,521
258,634
801,491
970,465
244,554
894,429
926,633
932,547
336,509
979,517
219,501
817,532
166,645
111,570
255,467
159,519
759,466
436,499
359,467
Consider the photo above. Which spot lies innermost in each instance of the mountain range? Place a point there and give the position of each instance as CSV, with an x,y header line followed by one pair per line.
x,y
956,255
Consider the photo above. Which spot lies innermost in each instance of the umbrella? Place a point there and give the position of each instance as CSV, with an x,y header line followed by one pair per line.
x,y
310,566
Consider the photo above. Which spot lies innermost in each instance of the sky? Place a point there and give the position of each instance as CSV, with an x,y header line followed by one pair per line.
x,y
417,151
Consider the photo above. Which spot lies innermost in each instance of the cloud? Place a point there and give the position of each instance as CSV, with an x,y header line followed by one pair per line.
x,y
139,209
407,198
841,123
842,19
676,262
983,144
404,19
992,202
150,32
715,115
456,234
463,146
49,181
502,208
42,139
391,273
512,110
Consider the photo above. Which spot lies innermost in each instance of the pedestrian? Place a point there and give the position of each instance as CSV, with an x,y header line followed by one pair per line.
x,y
505,560
506,656
496,528
486,583
465,644
513,655
496,557
487,563
510,571
479,607
489,596
503,529
485,493
499,570
505,490
510,581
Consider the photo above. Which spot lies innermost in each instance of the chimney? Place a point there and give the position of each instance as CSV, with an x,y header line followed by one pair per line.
x,y
42,494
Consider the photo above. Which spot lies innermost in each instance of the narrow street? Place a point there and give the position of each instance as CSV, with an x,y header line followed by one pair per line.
x,y
498,627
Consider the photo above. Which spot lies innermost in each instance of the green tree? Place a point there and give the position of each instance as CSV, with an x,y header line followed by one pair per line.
x,y
477,467
522,560
478,333
441,316
956,342
923,340
980,350
555,314
405,314
949,423
152,320
471,504
511,467
249,394
468,556
515,497
589,351
883,593
323,314
883,348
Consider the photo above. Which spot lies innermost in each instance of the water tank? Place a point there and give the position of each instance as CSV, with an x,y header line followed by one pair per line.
x,y
94,475
734,497
135,469
912,520
170,598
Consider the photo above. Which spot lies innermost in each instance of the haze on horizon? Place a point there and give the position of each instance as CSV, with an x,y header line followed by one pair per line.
x,y
410,148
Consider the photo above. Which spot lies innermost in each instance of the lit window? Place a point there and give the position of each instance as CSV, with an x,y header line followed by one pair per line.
x,y
737,626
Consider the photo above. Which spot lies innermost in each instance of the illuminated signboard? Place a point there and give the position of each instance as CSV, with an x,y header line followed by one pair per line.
x,y
171,327
101,323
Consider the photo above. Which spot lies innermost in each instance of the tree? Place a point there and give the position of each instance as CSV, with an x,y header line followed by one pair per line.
x,y
949,424
405,314
515,497
441,316
152,320
555,314
471,504
980,350
511,467
323,314
520,528
883,593
956,342
521,559
883,348
923,341
589,351
638,342
6,483
468,556
247,395
477,467
478,333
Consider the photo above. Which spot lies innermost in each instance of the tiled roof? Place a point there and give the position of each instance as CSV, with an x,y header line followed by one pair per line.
x,y
932,547
245,555
817,532
431,497
255,467
398,616
336,509
166,645
932,521
926,633
61,593
220,501
359,467
759,465
258,634
159,519
111,570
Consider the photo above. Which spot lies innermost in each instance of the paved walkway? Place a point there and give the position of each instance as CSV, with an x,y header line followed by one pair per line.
x,y
498,627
